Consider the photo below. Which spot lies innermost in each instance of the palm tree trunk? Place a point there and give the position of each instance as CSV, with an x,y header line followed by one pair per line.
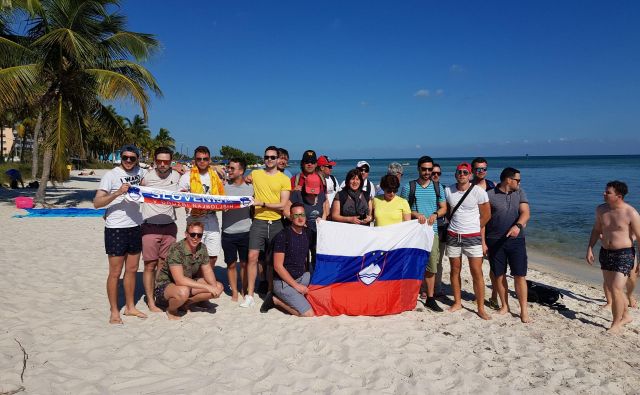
x,y
34,149
44,179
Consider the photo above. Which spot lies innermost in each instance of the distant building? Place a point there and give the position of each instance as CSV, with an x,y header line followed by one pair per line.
x,y
7,141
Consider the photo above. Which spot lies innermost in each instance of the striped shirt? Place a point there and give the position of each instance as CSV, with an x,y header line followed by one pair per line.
x,y
425,200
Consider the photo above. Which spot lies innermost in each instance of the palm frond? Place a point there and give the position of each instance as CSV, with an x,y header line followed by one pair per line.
x,y
18,84
124,44
73,46
112,85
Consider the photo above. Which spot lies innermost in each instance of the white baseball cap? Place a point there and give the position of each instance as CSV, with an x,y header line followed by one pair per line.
x,y
363,163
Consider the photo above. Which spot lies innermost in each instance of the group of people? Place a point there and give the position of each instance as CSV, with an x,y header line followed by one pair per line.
x,y
274,240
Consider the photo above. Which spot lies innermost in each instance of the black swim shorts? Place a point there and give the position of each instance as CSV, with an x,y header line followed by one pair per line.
x,y
122,241
507,251
620,261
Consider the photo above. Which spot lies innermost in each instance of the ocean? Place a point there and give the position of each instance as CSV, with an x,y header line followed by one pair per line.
x,y
563,192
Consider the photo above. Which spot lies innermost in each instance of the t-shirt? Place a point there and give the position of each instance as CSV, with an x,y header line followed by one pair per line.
x,y
296,251
180,254
122,213
160,214
466,219
389,213
313,211
333,187
267,188
505,211
425,199
238,220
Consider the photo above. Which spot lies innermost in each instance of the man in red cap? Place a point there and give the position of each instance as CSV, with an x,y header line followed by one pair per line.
x,y
469,213
333,186
308,165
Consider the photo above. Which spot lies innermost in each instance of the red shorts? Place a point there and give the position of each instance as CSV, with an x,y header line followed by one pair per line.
x,y
156,240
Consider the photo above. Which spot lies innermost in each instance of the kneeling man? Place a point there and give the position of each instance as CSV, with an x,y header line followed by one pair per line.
x,y
186,277
291,265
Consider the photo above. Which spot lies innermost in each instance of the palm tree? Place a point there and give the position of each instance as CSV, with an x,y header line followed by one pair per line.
x,y
164,139
75,55
139,134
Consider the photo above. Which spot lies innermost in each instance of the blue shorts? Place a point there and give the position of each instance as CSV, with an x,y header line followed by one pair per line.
x,y
123,241
508,251
235,247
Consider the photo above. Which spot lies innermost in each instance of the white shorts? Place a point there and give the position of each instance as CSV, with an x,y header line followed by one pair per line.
x,y
468,251
211,237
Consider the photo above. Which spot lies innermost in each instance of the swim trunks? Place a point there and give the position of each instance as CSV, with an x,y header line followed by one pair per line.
x,y
620,261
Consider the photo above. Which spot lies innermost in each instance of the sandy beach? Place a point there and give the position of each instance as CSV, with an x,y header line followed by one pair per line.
x,y
54,273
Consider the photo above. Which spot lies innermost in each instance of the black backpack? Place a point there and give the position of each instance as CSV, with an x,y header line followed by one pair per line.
x,y
543,294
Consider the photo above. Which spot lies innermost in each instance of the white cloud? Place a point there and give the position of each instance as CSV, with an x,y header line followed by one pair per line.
x,y
456,68
439,92
418,146
421,93
364,103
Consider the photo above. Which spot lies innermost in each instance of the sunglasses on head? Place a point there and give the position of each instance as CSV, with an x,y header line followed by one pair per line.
x,y
480,169
128,158
202,159
462,172
195,235
426,168
270,157
299,215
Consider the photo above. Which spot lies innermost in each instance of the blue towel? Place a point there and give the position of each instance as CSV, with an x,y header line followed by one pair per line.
x,y
62,212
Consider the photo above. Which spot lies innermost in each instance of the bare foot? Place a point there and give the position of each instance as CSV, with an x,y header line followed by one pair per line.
x,y
524,317
633,303
234,297
154,309
174,316
606,306
454,307
626,319
615,329
483,314
115,318
504,310
135,313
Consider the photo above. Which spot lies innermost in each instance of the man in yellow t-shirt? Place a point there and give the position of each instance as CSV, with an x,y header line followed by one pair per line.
x,y
271,191
389,208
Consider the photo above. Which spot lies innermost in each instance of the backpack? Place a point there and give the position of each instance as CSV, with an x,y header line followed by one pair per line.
x,y
543,294
334,181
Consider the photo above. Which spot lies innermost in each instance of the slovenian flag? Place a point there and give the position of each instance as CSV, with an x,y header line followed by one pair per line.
x,y
368,271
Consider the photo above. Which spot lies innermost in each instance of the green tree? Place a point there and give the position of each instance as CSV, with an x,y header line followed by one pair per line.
x,y
227,152
75,56
164,139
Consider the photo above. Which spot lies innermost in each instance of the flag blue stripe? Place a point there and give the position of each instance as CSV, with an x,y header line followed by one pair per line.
x,y
401,264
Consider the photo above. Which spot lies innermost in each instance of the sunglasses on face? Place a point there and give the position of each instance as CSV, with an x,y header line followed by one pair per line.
x,y
195,235
436,173
128,158
462,172
391,191
517,180
480,169
363,170
426,168
163,162
270,157
328,166
299,215
202,159
231,168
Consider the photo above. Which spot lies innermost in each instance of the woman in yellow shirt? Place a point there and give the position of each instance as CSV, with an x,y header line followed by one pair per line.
x,y
389,208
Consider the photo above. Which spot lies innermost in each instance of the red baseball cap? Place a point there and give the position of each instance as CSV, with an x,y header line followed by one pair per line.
x,y
313,183
464,166
324,160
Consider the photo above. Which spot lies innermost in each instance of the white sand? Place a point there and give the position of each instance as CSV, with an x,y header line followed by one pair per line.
x,y
54,273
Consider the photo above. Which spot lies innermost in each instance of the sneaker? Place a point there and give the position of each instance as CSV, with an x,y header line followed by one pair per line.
x,y
268,303
248,302
431,304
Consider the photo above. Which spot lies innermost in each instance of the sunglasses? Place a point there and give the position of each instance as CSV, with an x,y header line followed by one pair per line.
x,y
328,166
517,180
462,172
195,235
363,170
128,158
300,215
426,168
436,173
270,157
231,168
391,191
480,169
163,162
202,159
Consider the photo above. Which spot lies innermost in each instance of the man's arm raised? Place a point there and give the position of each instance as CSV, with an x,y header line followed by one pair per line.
x,y
103,198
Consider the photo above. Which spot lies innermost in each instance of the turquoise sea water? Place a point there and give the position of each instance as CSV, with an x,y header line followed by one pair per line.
x,y
563,192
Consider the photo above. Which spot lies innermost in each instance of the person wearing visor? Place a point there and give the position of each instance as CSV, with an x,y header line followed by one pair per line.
x,y
122,233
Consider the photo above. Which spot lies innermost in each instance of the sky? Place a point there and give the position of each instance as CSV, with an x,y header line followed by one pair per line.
x,y
383,79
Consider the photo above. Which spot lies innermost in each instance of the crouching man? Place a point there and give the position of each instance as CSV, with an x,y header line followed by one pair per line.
x,y
291,265
186,277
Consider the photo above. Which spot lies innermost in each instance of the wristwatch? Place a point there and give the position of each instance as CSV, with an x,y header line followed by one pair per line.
x,y
519,225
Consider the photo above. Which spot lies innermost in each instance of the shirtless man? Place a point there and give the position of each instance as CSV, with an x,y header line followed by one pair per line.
x,y
616,224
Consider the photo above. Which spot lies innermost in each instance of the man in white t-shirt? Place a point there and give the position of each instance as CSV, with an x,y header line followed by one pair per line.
x,y
159,228
469,206
122,233
333,186
204,179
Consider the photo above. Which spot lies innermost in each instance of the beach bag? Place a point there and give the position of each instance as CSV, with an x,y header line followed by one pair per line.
x,y
542,294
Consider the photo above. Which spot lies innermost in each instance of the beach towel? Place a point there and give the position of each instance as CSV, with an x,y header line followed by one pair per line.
x,y
186,199
368,271
61,212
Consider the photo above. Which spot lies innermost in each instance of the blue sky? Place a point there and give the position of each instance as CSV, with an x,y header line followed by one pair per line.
x,y
397,79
